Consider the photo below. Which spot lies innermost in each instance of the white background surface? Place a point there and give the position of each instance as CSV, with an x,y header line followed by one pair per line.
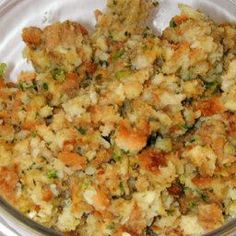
x,y
17,14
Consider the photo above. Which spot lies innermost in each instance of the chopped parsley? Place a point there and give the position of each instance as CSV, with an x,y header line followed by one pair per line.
x,y
82,131
111,226
172,24
186,126
122,74
122,188
192,140
23,85
3,68
52,174
34,134
85,185
58,74
118,54
170,212
211,85
117,155
205,198
192,205
147,31
45,86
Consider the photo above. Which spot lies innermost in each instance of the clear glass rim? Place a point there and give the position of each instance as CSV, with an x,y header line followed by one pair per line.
x,y
19,218
29,224
225,230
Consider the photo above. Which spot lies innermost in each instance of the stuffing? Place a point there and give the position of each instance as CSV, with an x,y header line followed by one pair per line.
x,y
122,132
190,225
210,216
151,160
6,155
130,139
66,221
67,49
123,13
198,48
8,181
202,157
73,160
97,198
76,106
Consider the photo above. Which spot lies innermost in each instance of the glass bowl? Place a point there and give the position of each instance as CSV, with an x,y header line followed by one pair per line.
x,y
17,14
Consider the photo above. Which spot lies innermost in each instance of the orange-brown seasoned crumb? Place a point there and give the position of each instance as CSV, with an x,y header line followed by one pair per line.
x,y
32,36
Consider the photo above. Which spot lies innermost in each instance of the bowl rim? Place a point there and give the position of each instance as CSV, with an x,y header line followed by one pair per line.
x,y
16,217
28,224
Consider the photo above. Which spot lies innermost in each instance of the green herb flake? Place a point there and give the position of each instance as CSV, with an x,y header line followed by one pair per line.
x,y
117,155
226,165
110,36
122,74
111,226
85,185
24,85
34,134
187,190
52,174
49,143
3,68
123,108
45,86
82,131
186,126
170,212
118,54
212,86
172,24
205,198
192,205
192,140
122,188
147,32
58,74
